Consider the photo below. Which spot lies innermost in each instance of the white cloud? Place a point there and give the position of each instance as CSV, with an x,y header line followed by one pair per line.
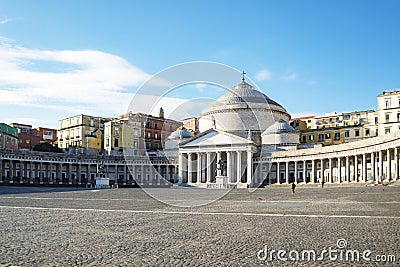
x,y
7,20
290,77
85,80
263,75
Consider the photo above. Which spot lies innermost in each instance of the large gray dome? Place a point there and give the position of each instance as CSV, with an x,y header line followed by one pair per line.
x,y
244,93
241,109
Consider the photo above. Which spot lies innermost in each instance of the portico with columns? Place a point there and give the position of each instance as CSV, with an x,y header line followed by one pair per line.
x,y
198,158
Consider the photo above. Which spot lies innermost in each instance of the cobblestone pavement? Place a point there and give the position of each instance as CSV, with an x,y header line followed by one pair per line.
x,y
126,227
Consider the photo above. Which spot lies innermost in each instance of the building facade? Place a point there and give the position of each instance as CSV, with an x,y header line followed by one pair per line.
x,y
388,112
8,137
192,125
138,133
81,132
245,141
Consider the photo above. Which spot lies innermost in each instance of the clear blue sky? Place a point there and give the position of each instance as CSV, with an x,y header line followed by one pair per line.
x,y
313,57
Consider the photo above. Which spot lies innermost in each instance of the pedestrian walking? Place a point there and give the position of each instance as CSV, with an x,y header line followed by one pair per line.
x,y
322,183
293,187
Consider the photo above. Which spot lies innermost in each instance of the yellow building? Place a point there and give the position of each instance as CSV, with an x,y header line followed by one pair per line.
x,y
325,137
82,132
124,132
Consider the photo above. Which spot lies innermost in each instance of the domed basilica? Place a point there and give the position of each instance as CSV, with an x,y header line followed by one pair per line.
x,y
241,125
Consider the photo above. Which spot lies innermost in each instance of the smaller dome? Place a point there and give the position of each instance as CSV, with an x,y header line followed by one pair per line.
x,y
278,127
180,133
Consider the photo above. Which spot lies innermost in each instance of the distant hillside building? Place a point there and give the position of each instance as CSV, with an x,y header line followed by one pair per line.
x,y
82,132
388,115
191,125
8,137
30,137
140,133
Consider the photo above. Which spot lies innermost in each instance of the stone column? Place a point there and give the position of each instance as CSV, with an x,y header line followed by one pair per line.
x,y
295,172
142,178
249,166
305,171
21,171
209,168
278,173
158,175
180,168
70,173
380,168
219,172
203,168
364,167
389,166
312,176
11,170
347,169
229,165
125,173
41,172
355,169
373,172
287,172
330,171
396,164
339,170
322,170
116,173
79,173
239,167
88,178
260,178
1,170
190,169
51,173
133,170
59,174
199,167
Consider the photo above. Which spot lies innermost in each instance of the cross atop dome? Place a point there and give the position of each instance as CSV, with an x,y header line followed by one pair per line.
x,y
243,73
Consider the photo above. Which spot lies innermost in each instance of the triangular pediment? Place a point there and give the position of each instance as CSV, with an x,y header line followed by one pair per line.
x,y
214,138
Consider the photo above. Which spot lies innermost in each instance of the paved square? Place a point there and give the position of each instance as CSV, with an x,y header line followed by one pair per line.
x,y
125,227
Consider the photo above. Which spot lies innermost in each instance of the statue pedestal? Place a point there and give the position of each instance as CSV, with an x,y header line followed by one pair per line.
x,y
221,181
102,183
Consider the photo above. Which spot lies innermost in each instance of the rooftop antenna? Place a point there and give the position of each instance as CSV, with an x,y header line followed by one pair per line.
x,y
243,73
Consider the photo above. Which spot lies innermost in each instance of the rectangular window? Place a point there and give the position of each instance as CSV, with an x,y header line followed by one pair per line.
x,y
346,134
327,135
387,116
116,142
367,133
387,103
398,116
337,136
311,137
304,138
320,137
149,124
156,135
387,130
376,120
91,122
155,125
376,132
357,132
149,134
